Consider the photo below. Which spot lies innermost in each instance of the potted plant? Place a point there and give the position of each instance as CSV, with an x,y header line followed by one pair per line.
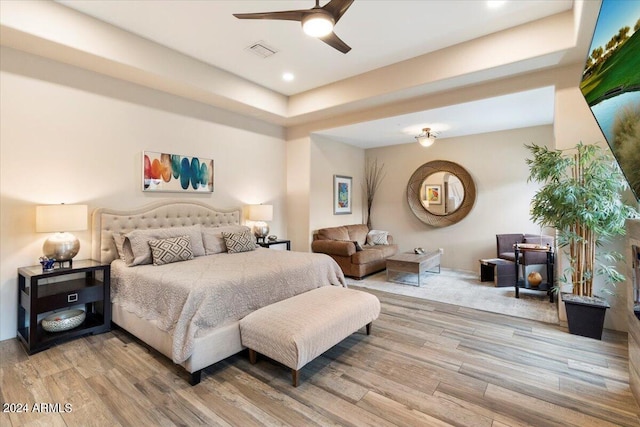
x,y
580,198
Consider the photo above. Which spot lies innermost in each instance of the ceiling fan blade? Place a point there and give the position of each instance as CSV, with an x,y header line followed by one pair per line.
x,y
335,42
286,15
337,8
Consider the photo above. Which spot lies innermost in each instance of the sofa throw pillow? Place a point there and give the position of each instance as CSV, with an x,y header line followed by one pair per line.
x,y
239,242
377,237
213,240
171,249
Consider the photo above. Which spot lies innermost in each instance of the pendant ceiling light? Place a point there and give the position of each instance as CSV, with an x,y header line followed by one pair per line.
x,y
426,138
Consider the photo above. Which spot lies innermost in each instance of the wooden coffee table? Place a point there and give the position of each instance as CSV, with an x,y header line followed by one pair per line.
x,y
410,264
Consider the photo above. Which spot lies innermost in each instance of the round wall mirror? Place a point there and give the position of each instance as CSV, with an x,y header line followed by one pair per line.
x,y
441,193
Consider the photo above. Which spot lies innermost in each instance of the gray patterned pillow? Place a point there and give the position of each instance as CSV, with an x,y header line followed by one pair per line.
x,y
213,240
239,242
172,249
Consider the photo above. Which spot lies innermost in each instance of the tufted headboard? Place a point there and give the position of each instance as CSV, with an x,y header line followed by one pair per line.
x,y
158,215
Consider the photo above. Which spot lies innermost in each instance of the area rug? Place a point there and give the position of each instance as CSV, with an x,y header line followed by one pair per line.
x,y
465,289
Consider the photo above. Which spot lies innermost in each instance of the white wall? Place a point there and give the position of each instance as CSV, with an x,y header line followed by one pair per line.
x,y
495,161
298,188
75,136
329,158
311,164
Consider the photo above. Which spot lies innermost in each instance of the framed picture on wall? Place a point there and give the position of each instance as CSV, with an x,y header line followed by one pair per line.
x,y
342,194
164,172
433,194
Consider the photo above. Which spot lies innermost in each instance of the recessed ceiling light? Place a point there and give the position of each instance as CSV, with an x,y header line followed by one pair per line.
x,y
493,4
287,77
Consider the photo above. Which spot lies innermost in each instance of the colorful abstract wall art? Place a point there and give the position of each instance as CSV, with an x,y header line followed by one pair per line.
x,y
176,173
342,194
433,194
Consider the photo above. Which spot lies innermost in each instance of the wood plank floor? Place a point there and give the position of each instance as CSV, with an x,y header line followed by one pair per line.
x,y
425,364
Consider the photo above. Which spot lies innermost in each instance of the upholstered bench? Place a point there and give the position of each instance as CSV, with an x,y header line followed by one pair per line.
x,y
297,330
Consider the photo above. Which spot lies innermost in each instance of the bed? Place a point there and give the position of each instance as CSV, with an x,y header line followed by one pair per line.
x,y
190,310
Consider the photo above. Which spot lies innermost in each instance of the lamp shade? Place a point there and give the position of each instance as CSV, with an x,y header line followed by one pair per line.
x,y
57,218
260,212
426,138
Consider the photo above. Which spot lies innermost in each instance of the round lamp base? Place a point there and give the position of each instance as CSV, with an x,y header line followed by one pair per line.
x,y
61,247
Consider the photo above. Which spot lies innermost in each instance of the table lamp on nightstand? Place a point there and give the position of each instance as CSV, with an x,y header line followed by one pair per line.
x,y
60,219
260,214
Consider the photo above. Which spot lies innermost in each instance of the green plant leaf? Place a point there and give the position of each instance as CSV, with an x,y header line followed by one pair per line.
x,y
580,191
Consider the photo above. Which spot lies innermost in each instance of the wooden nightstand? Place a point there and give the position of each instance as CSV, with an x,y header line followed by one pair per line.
x,y
268,243
39,294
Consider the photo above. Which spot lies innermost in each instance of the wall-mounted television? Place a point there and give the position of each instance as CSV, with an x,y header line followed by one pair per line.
x,y
611,83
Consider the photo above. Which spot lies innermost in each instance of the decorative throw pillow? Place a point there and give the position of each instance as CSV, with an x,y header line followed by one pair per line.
x,y
239,242
138,241
172,249
377,237
213,240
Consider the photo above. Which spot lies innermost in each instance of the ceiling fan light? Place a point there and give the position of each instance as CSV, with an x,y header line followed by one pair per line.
x,y
317,24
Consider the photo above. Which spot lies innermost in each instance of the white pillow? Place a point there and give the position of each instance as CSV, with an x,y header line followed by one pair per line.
x,y
377,237
213,240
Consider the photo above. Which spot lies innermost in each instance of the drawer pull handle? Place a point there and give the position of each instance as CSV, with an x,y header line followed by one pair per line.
x,y
72,297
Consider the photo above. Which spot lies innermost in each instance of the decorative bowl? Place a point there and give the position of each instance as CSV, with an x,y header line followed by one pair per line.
x,y
63,320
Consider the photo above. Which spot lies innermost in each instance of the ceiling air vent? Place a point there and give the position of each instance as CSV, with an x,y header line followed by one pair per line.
x,y
262,49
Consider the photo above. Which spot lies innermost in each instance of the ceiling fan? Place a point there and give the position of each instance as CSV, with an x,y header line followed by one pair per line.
x,y
316,22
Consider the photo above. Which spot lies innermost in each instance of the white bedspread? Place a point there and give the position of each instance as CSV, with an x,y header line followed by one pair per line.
x,y
187,298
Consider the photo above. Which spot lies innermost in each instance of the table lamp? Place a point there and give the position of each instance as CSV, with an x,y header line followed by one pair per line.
x,y
260,214
60,219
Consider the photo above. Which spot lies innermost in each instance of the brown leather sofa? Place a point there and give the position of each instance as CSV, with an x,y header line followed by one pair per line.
x,y
340,244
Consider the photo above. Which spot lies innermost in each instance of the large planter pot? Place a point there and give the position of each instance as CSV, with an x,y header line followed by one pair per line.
x,y
585,315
